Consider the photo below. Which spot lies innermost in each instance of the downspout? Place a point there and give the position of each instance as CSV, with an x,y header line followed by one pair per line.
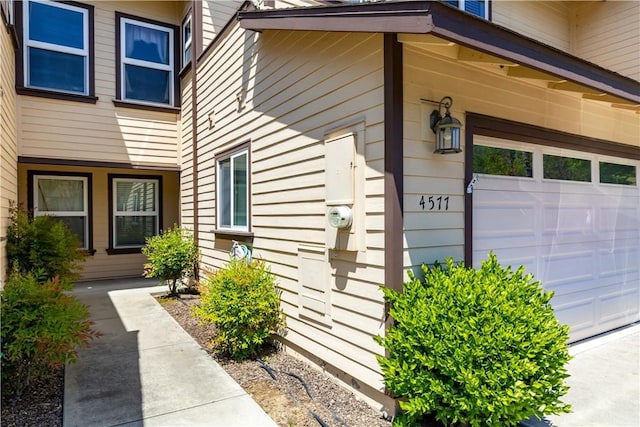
x,y
196,23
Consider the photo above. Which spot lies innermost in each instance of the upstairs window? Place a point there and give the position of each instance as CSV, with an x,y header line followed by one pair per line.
x,y
233,191
6,6
146,62
186,40
57,48
475,7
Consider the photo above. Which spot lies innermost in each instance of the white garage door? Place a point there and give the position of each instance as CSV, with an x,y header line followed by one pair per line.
x,y
571,218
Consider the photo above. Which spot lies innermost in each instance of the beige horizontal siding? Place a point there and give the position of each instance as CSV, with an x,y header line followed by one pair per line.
x,y
291,97
215,15
608,34
102,265
70,130
282,4
436,235
545,21
8,141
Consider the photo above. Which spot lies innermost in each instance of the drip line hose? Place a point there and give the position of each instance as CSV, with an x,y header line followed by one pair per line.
x,y
306,388
269,369
272,374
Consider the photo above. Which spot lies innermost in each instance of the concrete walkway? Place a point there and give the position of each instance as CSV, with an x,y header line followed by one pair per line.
x,y
146,370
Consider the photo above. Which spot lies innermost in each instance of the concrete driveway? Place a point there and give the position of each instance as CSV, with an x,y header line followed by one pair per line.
x,y
605,382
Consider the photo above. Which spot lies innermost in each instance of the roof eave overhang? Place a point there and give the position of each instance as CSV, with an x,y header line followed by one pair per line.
x,y
441,20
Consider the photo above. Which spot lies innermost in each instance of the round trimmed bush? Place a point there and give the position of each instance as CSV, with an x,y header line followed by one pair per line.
x,y
481,347
242,301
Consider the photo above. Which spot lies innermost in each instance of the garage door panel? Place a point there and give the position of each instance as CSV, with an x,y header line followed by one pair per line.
x,y
568,219
559,267
622,262
618,219
507,222
515,257
579,239
620,304
577,312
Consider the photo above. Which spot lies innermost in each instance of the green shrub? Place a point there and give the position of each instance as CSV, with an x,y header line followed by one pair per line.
x,y
41,328
481,347
43,246
242,301
172,256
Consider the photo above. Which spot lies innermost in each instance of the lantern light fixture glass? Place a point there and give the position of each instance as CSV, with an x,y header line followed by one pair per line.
x,y
447,128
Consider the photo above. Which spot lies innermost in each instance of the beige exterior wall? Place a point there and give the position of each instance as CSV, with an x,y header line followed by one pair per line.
x,y
185,153
603,32
215,15
291,101
436,235
608,34
72,130
8,142
102,265
545,21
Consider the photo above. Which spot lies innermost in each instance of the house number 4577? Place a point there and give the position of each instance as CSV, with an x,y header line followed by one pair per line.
x,y
433,203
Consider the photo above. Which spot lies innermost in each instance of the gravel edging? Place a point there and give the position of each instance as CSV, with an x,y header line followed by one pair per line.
x,y
40,405
300,395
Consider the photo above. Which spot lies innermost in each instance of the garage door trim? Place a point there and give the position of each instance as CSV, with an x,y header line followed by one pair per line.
x,y
480,124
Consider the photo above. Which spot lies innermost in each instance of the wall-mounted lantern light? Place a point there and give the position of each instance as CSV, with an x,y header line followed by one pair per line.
x,y
447,128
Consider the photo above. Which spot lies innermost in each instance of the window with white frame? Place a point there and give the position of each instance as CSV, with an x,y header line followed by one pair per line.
x,y
66,198
233,191
56,46
146,63
475,7
7,11
135,211
186,40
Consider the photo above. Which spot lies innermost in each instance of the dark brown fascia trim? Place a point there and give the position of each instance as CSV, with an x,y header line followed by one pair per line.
x,y
147,107
21,89
393,163
442,20
50,94
111,250
31,173
241,236
380,17
470,123
480,124
95,164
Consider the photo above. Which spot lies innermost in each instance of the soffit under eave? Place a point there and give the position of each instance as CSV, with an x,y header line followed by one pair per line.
x,y
512,69
436,19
